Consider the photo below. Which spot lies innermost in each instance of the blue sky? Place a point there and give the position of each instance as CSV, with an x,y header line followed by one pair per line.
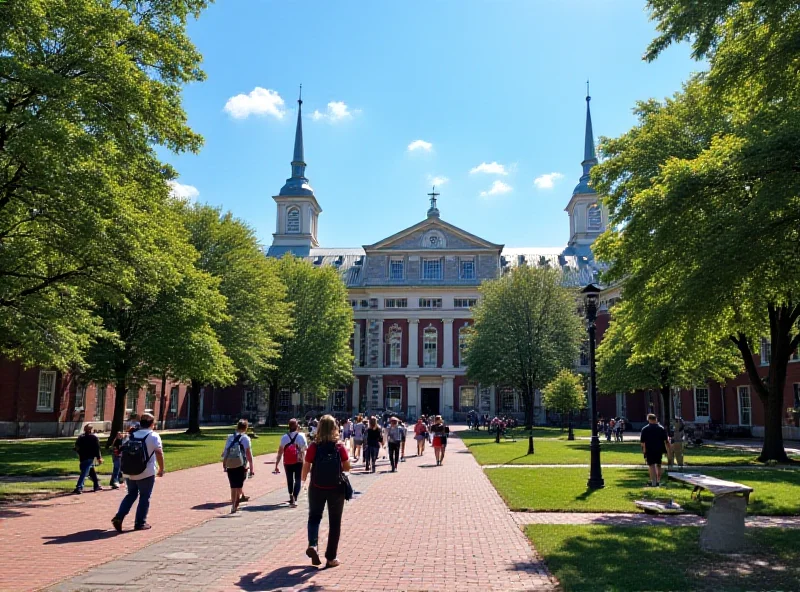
x,y
466,82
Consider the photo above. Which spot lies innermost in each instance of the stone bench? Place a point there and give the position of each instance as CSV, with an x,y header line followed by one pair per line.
x,y
724,529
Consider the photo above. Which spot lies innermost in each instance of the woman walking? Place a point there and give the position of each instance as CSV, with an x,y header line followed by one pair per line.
x,y
358,437
373,441
236,458
420,435
440,433
325,460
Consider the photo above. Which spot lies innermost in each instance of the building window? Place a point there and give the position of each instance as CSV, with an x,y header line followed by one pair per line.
x,y
467,399
466,269
293,221
745,409
337,399
432,269
394,341
150,398
464,302
80,397
766,351
284,400
395,303
393,397
429,340
100,404
594,218
174,393
701,403
430,303
486,398
462,344
396,268
508,400
47,389
131,397
797,395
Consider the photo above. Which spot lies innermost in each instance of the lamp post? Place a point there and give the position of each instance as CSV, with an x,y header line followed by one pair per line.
x,y
591,298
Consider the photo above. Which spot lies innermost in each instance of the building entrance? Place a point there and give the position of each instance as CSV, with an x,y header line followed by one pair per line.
x,y
430,401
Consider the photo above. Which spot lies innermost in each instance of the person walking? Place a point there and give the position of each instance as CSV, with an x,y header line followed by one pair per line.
x,y
373,440
88,448
440,433
237,457
292,448
403,433
140,454
655,443
325,460
394,437
115,446
676,441
347,432
358,438
420,435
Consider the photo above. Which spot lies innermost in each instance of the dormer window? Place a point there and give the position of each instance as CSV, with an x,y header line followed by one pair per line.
x,y
432,269
293,221
466,269
396,268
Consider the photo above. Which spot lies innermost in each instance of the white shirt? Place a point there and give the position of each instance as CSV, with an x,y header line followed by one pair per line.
x,y
244,441
299,441
153,443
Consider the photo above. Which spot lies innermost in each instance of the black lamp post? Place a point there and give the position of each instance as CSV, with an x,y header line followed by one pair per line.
x,y
591,298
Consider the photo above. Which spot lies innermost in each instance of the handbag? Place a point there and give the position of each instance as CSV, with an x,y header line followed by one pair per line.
x,y
348,488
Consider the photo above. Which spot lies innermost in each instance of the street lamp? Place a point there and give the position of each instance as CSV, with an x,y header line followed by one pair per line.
x,y
591,298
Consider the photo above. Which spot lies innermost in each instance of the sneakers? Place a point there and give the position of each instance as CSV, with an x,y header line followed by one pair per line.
x,y
115,486
77,491
144,526
98,488
117,522
312,553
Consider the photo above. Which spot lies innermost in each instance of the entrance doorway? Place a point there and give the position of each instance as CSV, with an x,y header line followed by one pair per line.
x,y
430,401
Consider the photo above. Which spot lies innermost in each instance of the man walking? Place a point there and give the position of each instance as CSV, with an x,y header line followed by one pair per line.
x,y
292,449
88,448
676,450
655,443
140,453
394,436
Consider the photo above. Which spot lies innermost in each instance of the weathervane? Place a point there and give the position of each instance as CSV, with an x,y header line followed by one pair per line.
x,y
433,196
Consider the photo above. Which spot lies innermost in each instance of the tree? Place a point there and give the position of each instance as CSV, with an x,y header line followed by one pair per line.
x,y
525,331
703,194
623,365
88,90
565,394
258,314
316,356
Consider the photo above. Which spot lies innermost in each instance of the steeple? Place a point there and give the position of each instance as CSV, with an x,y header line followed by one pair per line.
x,y
297,184
589,156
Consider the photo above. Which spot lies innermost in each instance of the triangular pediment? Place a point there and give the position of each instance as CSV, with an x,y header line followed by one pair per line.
x,y
433,233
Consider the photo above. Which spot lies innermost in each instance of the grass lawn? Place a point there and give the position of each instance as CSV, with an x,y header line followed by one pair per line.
x,y
55,458
538,432
563,452
776,491
590,558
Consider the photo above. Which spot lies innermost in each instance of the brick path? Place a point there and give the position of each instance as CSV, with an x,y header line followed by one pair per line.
x,y
620,519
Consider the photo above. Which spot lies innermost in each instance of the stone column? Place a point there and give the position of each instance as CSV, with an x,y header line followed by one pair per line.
x,y
447,398
413,342
381,343
493,406
356,401
381,395
448,343
357,343
413,393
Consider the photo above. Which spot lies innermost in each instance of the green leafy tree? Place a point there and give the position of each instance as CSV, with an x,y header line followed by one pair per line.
x,y
565,395
88,90
525,331
316,357
258,315
622,366
704,194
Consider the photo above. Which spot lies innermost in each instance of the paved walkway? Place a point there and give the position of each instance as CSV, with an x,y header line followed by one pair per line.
x,y
423,528
620,519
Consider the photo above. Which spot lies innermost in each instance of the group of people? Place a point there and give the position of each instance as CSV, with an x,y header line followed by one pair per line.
x,y
612,428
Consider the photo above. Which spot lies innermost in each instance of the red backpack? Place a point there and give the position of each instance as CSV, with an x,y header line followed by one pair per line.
x,y
291,453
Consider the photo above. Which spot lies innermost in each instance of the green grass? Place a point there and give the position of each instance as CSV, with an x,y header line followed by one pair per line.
x,y
612,558
55,458
519,433
776,492
563,452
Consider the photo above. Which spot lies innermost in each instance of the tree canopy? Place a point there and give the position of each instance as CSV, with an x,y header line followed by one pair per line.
x,y
526,329
565,393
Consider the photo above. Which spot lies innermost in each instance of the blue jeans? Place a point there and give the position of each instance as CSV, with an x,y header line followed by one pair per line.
x,y
87,470
116,472
143,489
371,457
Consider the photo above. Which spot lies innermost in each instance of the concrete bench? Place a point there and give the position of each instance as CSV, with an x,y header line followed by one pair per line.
x,y
724,529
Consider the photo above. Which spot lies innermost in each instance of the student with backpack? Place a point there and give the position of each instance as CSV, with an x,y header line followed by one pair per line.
x,y
87,446
292,448
326,460
139,455
237,456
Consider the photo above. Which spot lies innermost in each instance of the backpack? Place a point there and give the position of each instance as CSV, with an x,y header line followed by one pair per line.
x,y
234,454
133,455
291,453
326,471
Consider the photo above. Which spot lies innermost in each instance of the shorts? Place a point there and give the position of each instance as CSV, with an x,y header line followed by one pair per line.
x,y
420,437
236,477
358,441
653,459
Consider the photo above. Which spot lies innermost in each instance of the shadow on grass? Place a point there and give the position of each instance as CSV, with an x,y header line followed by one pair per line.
x,y
284,577
83,536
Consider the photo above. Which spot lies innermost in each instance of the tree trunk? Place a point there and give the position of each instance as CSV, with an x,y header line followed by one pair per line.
x,y
571,435
773,426
120,392
529,394
194,407
163,406
273,405
666,399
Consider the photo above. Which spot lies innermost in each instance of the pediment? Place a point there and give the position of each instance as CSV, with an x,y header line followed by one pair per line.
x,y
433,234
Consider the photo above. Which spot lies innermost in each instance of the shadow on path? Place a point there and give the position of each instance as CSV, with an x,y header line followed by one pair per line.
x,y
84,536
211,505
278,579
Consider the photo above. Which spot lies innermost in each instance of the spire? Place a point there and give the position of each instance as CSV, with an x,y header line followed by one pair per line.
x,y
433,211
589,155
297,184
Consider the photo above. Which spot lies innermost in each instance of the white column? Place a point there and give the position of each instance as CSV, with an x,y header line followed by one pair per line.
x,y
355,395
413,341
413,393
357,344
448,343
493,406
381,395
447,398
381,344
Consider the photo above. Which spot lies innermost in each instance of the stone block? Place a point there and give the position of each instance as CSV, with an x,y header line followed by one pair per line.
x,y
724,529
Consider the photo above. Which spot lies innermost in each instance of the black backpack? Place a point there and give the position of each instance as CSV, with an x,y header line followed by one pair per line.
x,y
134,456
326,471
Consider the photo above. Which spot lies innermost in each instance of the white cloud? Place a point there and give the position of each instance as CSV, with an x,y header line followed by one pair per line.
x,y
497,188
547,180
438,180
492,168
420,145
336,111
259,101
184,192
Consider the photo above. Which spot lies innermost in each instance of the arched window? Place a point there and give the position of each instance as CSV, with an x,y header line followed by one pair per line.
x,y
594,218
429,343
293,220
395,342
462,344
